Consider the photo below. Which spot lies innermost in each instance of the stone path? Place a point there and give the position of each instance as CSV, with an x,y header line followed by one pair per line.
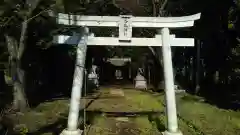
x,y
113,113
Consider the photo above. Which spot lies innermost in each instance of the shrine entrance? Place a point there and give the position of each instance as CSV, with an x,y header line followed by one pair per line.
x,y
84,37
117,70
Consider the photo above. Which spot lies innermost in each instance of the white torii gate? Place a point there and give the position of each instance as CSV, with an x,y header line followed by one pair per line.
x,y
125,25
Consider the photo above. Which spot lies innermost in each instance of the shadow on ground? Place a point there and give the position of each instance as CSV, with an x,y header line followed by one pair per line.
x,y
223,96
55,128
159,123
47,96
124,114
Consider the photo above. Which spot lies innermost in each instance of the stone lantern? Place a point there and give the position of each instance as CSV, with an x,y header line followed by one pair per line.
x,y
93,76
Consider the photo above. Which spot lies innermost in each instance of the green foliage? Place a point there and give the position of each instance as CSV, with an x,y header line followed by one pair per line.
x,y
237,3
235,49
24,131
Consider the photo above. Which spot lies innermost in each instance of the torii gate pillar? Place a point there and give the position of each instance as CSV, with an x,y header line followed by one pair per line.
x,y
125,24
172,124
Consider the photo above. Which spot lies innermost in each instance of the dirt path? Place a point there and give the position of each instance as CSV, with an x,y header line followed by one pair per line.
x,y
117,112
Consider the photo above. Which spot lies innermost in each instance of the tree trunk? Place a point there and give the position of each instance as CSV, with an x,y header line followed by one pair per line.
x,y
15,57
158,7
2,82
17,76
20,100
197,62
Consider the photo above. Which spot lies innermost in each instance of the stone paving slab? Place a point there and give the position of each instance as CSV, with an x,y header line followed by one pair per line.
x,y
117,92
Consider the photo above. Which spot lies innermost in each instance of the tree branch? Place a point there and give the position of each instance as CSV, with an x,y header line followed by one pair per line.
x,y
11,46
32,4
156,52
163,5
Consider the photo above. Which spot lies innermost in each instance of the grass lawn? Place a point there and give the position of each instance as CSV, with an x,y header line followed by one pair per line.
x,y
208,118
204,118
131,113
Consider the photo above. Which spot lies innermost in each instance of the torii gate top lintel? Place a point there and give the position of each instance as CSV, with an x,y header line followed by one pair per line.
x,y
113,21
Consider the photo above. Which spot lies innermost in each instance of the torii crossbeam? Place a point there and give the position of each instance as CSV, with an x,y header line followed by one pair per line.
x,y
125,24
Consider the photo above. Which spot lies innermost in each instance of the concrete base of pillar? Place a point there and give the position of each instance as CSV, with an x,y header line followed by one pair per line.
x,y
75,132
172,133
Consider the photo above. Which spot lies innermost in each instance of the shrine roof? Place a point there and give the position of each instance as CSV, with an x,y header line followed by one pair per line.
x,y
119,61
